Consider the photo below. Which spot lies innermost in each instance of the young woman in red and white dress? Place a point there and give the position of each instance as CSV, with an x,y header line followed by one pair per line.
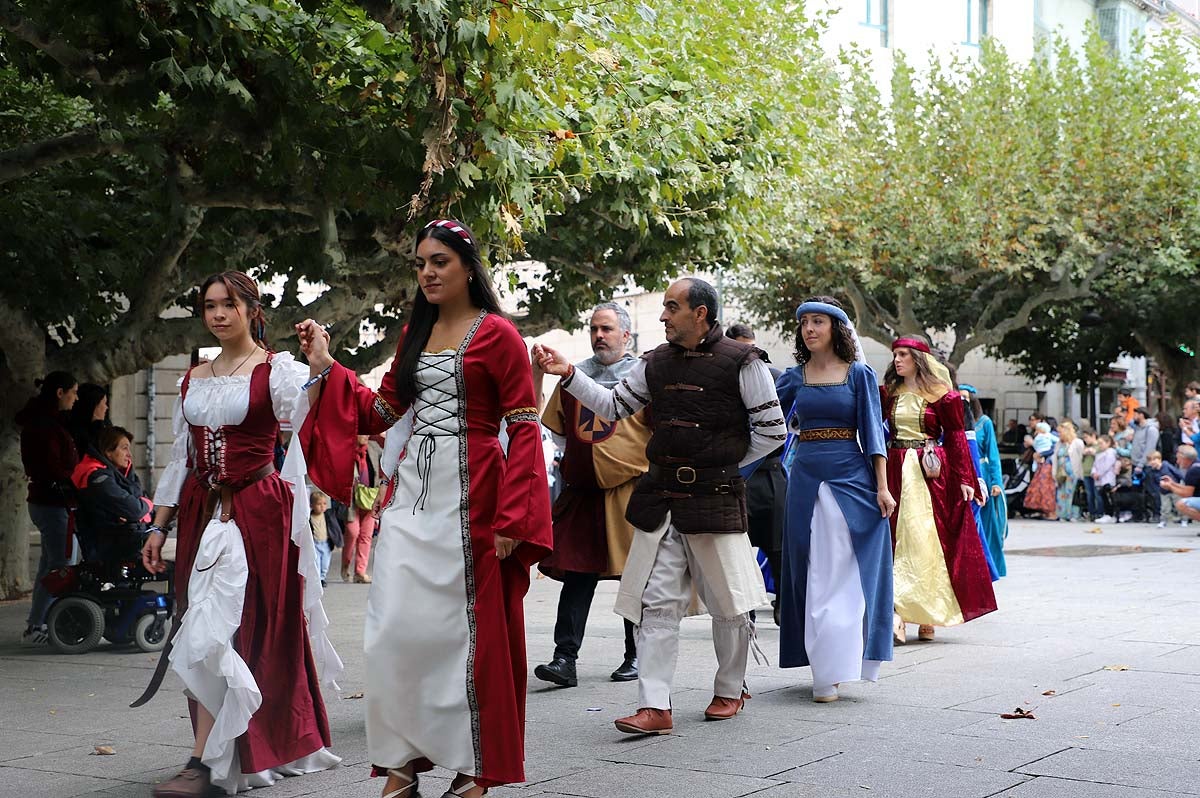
x,y
462,522
251,648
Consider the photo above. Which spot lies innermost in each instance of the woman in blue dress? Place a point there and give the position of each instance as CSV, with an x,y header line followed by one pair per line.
x,y
836,590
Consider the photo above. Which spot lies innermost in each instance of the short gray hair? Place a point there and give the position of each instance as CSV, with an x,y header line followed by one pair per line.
x,y
1187,451
622,314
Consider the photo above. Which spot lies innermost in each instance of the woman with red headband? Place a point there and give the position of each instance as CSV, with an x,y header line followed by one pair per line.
x,y
941,575
462,521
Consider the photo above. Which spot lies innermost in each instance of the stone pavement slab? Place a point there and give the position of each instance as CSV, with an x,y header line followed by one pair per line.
x,y
929,728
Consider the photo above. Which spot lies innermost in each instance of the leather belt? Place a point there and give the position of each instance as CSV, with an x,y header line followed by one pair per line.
x,y
216,490
827,434
687,475
224,491
910,444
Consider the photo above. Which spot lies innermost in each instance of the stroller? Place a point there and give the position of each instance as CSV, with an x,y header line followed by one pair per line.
x,y
1014,490
97,600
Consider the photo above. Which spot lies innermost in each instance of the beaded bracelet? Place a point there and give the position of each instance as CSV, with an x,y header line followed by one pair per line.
x,y
324,373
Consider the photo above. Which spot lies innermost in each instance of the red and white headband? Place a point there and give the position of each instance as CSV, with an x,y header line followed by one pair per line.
x,y
453,227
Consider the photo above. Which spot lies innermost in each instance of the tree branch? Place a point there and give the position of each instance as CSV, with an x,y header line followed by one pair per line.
x,y
870,319
985,333
587,270
29,158
81,64
160,273
283,200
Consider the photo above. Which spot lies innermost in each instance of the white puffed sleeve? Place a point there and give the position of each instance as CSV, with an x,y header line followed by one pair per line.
x,y
290,401
170,484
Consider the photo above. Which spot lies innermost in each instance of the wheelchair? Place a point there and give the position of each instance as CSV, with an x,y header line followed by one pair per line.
x,y
97,600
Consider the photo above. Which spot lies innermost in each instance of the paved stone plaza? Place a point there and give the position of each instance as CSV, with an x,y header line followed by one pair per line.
x,y
1103,650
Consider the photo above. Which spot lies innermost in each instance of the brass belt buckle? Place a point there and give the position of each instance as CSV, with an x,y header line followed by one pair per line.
x,y
680,474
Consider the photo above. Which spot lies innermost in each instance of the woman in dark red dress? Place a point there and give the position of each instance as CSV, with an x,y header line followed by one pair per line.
x,y
940,573
464,519
245,564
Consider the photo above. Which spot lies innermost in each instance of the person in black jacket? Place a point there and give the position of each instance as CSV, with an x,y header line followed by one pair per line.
x,y
113,510
48,454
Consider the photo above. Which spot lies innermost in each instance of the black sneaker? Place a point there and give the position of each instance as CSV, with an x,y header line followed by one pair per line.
x,y
559,671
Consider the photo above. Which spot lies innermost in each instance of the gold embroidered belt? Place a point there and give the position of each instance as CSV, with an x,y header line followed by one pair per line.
x,y
911,444
827,434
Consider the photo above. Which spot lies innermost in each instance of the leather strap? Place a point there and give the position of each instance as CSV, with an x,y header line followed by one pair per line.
x,y
225,494
686,475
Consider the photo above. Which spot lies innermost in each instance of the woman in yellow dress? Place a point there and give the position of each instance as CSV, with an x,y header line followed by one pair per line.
x,y
940,570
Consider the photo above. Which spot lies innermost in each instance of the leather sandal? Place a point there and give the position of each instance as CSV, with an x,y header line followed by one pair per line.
x,y
925,632
404,792
462,790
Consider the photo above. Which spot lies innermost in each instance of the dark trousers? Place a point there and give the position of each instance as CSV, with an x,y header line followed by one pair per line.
x,y
574,603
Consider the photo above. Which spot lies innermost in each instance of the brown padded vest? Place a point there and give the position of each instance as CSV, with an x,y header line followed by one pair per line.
x,y
695,387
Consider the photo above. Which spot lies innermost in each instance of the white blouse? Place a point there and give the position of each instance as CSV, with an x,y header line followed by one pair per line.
x,y
225,401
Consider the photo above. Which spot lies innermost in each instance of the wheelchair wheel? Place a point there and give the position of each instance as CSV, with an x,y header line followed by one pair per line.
x,y
151,632
76,624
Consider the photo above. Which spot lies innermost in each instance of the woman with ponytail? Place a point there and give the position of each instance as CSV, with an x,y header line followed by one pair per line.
x,y
251,644
49,456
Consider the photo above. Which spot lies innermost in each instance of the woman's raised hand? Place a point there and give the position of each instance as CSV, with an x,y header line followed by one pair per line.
x,y
314,342
552,362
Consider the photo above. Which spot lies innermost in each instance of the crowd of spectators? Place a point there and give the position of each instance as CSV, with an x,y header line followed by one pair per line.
x,y
1142,468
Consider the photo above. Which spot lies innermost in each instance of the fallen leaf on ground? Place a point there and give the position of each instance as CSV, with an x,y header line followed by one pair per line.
x,y
1018,714
103,750
1116,667
1181,551
1082,736
1116,705
352,695
1050,692
1094,531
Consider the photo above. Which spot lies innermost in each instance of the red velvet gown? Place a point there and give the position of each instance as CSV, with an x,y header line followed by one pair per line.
x,y
270,701
445,630
940,569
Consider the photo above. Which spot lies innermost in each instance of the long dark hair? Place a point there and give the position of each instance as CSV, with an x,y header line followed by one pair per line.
x,y
90,395
242,286
424,314
843,341
52,383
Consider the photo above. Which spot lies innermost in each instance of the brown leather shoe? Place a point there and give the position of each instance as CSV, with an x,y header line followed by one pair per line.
x,y
362,579
647,720
725,708
188,783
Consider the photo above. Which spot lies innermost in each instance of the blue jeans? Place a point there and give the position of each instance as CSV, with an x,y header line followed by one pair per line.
x,y
1095,501
324,550
52,524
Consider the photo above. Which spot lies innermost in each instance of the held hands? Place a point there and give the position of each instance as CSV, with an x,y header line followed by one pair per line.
x,y
504,546
314,343
887,505
152,559
968,493
552,362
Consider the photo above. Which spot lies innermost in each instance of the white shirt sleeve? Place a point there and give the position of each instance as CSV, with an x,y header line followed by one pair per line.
x,y
288,396
624,399
170,484
767,431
